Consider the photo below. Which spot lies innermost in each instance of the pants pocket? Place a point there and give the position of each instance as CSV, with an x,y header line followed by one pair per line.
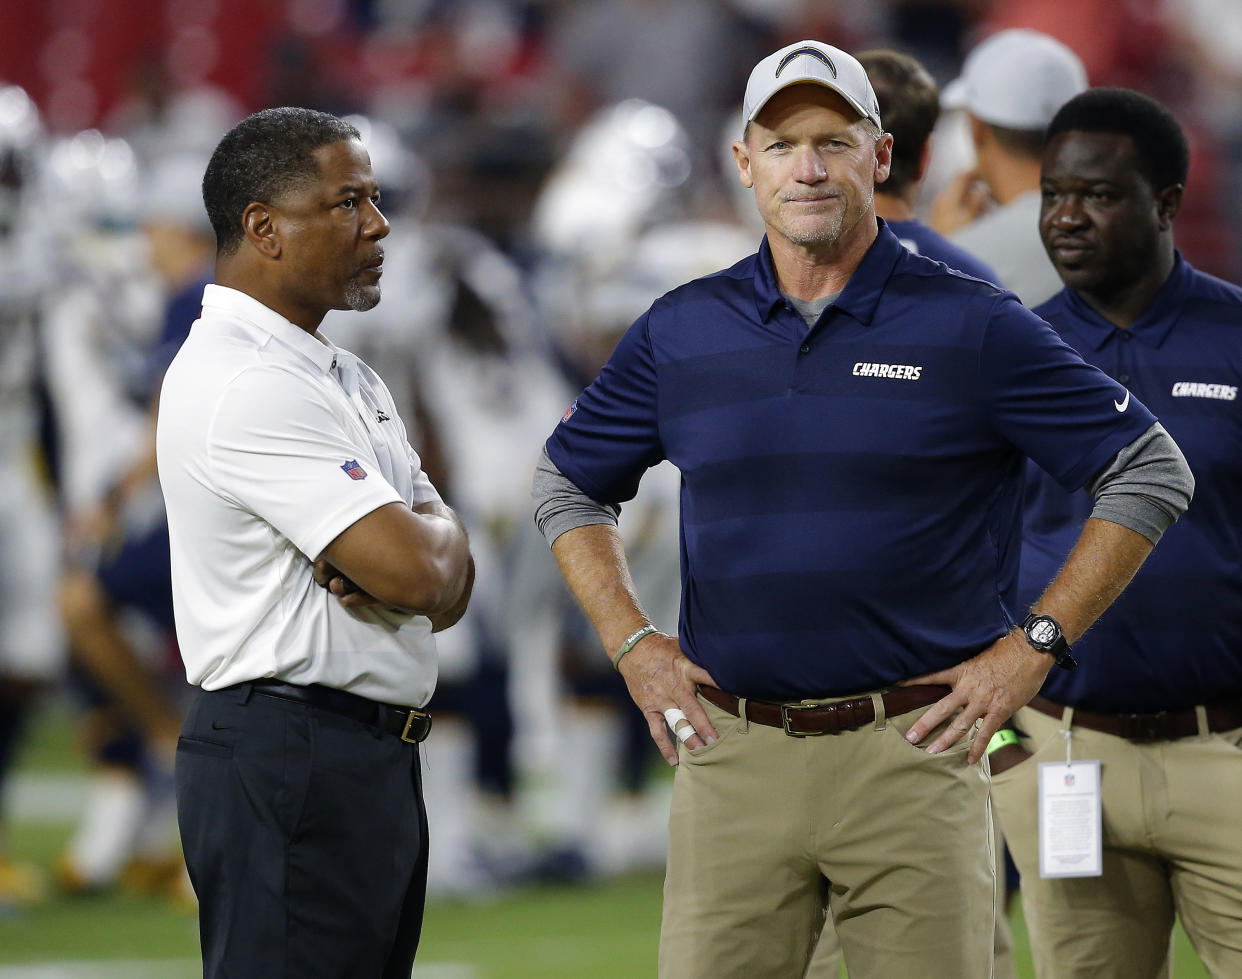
x,y
198,746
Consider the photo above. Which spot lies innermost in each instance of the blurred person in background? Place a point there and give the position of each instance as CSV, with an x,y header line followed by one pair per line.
x,y
684,56
456,334
115,596
1010,87
31,645
615,226
1157,696
910,108
476,102
161,116
604,799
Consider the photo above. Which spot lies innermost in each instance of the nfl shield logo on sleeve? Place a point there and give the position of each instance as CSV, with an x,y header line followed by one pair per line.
x,y
353,470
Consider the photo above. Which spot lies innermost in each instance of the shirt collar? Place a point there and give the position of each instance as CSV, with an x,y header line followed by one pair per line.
x,y
245,307
1156,320
861,294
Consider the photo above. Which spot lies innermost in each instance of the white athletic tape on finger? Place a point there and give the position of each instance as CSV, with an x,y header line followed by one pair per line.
x,y
673,715
686,732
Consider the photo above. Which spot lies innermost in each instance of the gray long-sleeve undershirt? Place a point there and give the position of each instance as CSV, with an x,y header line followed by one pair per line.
x,y
1146,487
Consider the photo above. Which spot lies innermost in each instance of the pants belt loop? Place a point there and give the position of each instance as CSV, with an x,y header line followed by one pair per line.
x,y
1067,718
246,690
881,718
741,712
1201,716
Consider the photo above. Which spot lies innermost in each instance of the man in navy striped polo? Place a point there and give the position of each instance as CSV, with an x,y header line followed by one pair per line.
x,y
1157,700
850,421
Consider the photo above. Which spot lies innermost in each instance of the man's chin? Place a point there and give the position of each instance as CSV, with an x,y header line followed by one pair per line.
x,y
816,234
1080,277
360,298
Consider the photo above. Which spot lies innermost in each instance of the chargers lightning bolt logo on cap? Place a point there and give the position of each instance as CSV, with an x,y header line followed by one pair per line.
x,y
809,51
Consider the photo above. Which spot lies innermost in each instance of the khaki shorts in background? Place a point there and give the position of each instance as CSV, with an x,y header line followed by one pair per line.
x,y
761,822
1172,845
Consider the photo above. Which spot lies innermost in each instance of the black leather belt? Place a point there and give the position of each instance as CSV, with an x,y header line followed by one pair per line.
x,y
803,720
407,723
1165,726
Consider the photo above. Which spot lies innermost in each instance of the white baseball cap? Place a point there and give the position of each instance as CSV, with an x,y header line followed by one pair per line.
x,y
171,192
817,63
1016,79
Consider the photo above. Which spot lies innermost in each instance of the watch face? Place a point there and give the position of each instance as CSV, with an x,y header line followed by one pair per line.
x,y
1043,632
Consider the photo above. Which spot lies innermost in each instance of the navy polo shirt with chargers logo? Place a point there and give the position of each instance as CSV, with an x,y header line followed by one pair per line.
x,y
851,494
1174,637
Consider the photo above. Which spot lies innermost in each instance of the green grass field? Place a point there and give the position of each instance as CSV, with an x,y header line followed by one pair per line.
x,y
605,931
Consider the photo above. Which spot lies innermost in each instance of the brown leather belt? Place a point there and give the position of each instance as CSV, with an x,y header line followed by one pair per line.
x,y
800,720
1165,726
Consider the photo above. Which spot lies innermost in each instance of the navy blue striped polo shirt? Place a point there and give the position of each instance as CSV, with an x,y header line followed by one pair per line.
x,y
851,493
1174,637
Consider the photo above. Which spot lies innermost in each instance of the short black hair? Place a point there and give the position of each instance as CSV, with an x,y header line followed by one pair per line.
x,y
1159,143
261,158
909,108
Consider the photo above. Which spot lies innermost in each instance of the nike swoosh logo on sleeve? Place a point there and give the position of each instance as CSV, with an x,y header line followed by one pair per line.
x,y
1123,404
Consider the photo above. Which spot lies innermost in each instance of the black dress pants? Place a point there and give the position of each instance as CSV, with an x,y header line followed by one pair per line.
x,y
306,840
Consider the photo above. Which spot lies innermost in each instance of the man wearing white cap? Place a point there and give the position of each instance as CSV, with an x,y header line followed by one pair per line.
x,y
1010,87
849,420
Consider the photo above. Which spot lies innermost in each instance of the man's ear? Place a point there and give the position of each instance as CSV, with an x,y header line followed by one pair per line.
x,y
1168,203
883,157
741,156
259,227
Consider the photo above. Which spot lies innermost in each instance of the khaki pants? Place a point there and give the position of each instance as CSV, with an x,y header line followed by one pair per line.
x,y
766,830
1172,846
826,961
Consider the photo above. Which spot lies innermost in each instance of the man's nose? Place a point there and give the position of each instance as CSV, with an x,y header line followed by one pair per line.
x,y
377,225
1069,212
809,166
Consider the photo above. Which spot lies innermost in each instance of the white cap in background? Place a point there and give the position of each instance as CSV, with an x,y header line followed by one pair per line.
x,y
817,63
172,192
1016,79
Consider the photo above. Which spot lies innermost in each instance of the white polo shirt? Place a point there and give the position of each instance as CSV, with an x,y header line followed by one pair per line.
x,y
270,443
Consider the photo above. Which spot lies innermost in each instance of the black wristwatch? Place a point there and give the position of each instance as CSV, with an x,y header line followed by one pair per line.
x,y
1043,632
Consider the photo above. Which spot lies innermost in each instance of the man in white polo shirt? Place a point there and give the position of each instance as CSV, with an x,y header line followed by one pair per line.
x,y
312,560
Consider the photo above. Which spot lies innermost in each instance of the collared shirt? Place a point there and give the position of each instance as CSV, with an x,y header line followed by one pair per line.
x,y
851,495
1174,637
1008,237
271,443
922,240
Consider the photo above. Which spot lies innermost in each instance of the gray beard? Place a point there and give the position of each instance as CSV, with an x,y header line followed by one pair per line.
x,y
359,299
829,236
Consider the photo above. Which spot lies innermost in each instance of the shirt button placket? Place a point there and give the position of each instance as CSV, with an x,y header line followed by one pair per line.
x,y
1125,366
